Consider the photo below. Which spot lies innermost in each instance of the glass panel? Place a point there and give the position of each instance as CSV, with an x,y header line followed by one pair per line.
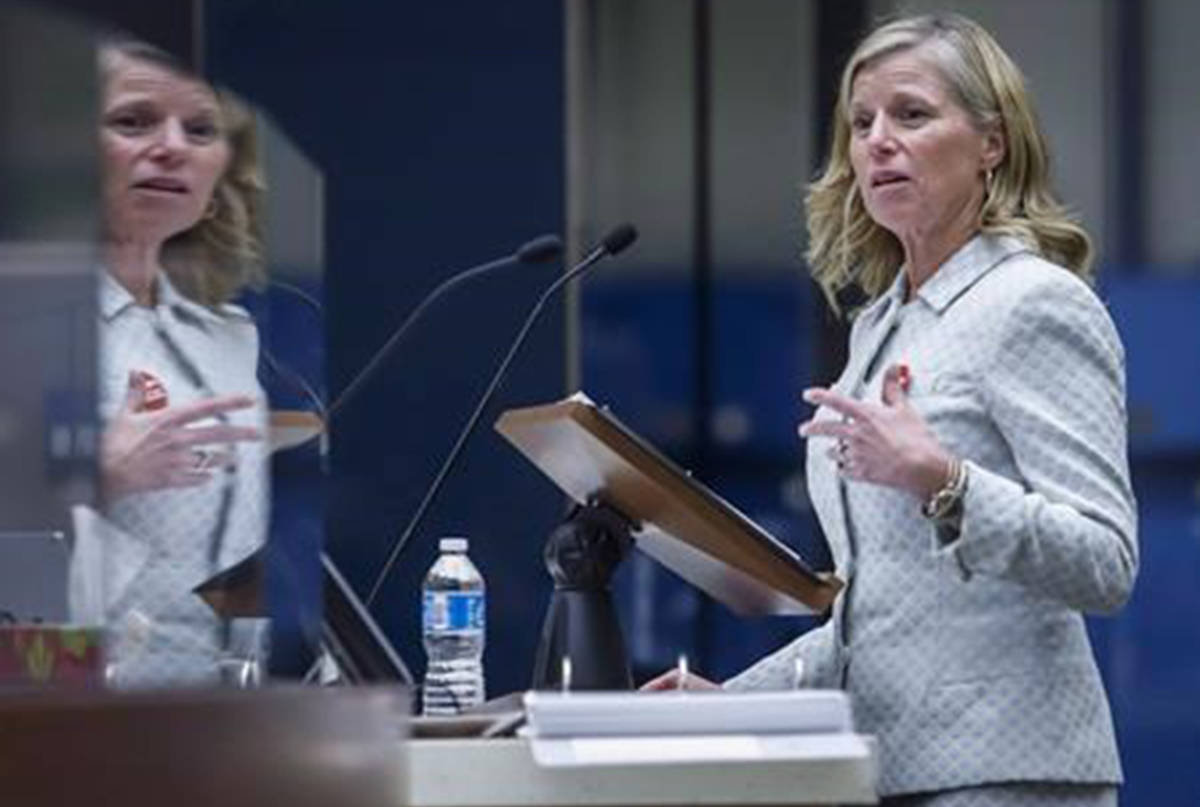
x,y
138,429
291,322
48,435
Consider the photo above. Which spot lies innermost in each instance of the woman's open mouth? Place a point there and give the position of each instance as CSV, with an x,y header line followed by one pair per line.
x,y
883,179
161,185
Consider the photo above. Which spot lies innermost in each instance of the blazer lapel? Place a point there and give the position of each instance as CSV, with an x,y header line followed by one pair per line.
x,y
873,342
827,483
879,320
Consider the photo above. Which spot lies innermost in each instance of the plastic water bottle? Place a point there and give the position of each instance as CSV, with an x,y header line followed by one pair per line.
x,y
453,623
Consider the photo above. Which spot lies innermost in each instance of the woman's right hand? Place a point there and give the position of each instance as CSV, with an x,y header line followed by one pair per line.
x,y
671,680
143,451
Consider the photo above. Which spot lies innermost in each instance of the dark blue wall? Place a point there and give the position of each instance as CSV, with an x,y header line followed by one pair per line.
x,y
439,129
1150,653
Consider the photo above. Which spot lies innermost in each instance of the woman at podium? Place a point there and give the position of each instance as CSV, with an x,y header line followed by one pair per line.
x,y
969,466
182,469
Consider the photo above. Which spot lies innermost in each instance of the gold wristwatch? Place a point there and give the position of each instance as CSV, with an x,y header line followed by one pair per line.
x,y
945,503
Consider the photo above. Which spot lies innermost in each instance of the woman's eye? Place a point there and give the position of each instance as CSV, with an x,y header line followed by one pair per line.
x,y
203,131
913,115
860,123
129,121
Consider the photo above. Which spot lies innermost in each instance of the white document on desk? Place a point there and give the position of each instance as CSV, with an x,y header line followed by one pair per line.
x,y
561,752
660,714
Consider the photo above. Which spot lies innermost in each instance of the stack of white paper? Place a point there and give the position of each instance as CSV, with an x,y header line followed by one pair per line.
x,y
617,728
606,714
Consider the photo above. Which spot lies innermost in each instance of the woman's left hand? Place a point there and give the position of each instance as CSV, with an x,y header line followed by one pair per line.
x,y
887,444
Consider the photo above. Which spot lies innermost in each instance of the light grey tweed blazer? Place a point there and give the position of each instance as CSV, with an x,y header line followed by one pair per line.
x,y
134,567
968,657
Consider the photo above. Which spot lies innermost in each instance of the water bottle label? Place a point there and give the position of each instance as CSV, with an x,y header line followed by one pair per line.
x,y
453,610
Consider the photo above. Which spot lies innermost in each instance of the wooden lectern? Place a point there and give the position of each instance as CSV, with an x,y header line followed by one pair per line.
x,y
604,466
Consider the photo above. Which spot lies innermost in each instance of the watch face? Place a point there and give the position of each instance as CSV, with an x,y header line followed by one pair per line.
x,y
941,504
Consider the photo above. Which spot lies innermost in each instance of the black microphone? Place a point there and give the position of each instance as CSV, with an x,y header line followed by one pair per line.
x,y
616,241
539,250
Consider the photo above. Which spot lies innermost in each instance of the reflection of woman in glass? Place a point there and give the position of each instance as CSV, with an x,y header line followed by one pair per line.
x,y
183,474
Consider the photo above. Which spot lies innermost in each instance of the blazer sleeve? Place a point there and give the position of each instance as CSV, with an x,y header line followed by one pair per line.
x,y
815,649
1055,390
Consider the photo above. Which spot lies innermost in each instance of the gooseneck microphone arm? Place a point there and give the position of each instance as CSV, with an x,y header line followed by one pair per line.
x,y
541,249
616,241
300,294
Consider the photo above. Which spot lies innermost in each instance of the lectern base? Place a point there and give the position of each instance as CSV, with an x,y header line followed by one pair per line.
x,y
581,622
582,626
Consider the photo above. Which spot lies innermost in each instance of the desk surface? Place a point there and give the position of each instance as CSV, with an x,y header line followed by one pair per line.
x,y
502,773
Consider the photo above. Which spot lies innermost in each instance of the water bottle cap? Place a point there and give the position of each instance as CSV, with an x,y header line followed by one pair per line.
x,y
452,545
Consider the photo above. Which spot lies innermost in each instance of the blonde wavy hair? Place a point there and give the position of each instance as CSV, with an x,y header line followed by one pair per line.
x,y
847,247
222,253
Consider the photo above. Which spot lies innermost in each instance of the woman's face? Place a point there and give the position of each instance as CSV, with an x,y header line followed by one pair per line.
x,y
163,147
918,159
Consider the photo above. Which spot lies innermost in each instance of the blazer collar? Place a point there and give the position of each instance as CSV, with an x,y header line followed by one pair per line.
x,y
115,298
890,300
961,270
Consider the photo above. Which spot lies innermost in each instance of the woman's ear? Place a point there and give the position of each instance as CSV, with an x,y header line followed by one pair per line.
x,y
994,146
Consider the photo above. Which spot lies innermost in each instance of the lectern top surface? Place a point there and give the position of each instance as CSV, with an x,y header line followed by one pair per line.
x,y
680,522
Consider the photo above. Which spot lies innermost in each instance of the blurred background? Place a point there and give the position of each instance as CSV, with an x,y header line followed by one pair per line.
x,y
408,141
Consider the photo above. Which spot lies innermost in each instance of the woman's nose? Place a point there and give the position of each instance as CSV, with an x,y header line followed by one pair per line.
x,y
171,141
880,137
